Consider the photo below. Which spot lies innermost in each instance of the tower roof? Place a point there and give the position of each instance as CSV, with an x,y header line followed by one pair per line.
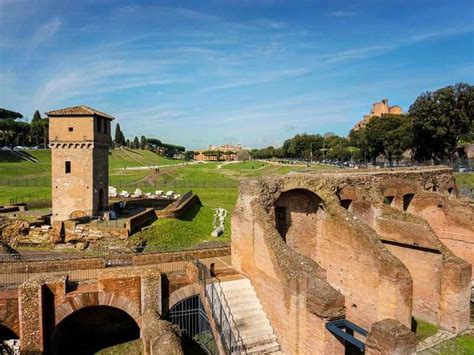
x,y
81,110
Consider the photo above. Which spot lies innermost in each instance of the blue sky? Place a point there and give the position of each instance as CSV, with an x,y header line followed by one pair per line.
x,y
236,71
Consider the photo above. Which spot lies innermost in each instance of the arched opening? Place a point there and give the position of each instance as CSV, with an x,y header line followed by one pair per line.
x,y
388,200
407,200
189,314
6,333
346,204
9,343
297,214
93,328
101,199
450,191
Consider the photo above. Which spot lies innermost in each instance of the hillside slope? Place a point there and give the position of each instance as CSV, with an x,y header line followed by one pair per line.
x,y
13,167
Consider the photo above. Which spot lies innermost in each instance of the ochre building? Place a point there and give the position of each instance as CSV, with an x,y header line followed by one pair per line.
x,y
79,140
378,109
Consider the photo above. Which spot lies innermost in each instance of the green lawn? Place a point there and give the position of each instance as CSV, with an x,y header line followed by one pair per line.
x,y
462,345
132,347
253,164
214,183
25,181
122,158
465,180
195,226
424,330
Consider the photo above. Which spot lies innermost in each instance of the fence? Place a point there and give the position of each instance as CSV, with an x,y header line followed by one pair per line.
x,y
230,337
17,269
26,182
117,182
33,201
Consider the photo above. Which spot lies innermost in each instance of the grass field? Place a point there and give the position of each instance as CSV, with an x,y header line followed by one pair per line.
x,y
462,345
26,181
216,184
424,330
465,180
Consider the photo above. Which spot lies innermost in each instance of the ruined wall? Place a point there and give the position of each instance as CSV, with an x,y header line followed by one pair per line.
x,y
375,284
385,260
179,207
293,292
9,312
133,224
45,301
390,337
382,203
451,219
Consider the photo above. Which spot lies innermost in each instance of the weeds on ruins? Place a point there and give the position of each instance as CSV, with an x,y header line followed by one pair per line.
x,y
236,177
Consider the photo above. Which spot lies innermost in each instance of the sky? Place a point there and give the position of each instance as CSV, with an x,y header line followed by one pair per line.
x,y
252,72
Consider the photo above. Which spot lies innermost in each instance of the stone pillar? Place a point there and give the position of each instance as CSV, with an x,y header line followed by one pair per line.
x,y
390,337
151,293
35,320
455,296
159,336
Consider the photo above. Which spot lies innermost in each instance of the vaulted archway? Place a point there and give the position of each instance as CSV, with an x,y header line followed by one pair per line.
x,y
7,333
93,328
297,213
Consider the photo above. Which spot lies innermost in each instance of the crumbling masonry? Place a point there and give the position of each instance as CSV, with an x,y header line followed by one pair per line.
x,y
376,248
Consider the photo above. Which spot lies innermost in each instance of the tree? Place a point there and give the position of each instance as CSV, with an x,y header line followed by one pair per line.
x,y
6,114
142,142
243,155
303,146
188,155
136,143
388,135
37,131
440,120
358,139
119,138
128,143
36,116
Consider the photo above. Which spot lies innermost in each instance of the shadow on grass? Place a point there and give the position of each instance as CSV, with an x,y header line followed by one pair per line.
x,y
9,157
191,213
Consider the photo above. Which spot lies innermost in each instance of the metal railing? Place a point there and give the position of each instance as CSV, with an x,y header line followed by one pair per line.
x,y
75,272
230,337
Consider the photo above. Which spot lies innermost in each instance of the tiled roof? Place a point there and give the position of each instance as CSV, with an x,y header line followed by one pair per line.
x,y
78,111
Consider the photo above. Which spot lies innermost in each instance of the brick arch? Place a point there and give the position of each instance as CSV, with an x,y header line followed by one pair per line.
x,y
347,193
98,299
297,213
9,316
181,294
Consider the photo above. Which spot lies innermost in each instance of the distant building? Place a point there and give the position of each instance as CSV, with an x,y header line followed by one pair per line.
x,y
226,152
378,109
80,140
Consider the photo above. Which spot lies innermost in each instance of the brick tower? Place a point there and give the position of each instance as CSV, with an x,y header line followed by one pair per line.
x,y
79,140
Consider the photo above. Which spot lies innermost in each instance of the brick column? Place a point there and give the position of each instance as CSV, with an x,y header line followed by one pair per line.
x,y
34,318
390,337
455,296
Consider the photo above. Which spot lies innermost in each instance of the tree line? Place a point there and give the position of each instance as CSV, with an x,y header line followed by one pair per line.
x,y
15,133
437,124
142,143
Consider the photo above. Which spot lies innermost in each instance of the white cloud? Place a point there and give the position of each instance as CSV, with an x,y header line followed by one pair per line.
x,y
342,13
257,79
45,33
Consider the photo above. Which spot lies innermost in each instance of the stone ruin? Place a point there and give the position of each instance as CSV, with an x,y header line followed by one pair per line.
x,y
375,248
218,222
